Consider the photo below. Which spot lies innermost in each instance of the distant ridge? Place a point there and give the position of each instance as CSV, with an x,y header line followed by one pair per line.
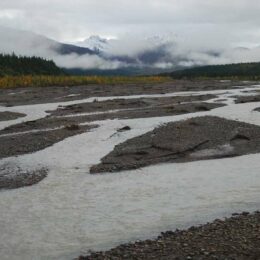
x,y
214,71
35,44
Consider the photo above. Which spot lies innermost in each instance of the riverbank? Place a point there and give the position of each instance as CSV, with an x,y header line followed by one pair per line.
x,y
237,237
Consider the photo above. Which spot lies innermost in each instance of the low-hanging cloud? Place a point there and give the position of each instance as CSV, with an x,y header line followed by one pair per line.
x,y
170,51
86,62
164,51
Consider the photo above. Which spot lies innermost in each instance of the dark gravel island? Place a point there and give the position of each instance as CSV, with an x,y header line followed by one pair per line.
x,y
197,138
13,176
5,116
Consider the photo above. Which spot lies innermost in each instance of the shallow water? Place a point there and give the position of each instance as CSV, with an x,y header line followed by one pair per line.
x,y
38,111
71,212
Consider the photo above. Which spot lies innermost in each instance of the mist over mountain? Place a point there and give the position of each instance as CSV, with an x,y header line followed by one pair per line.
x,y
130,54
161,52
64,55
168,51
94,43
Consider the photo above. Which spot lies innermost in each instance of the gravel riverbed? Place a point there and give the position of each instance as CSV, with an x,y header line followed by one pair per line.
x,y
237,237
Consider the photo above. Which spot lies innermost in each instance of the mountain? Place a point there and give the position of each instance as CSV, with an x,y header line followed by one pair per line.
x,y
95,55
129,55
94,43
148,54
151,50
67,49
30,44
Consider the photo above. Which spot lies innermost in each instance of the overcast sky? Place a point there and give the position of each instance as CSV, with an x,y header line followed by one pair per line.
x,y
194,32
220,22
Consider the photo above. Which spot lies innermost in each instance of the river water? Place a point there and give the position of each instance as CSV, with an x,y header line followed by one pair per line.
x,y
71,211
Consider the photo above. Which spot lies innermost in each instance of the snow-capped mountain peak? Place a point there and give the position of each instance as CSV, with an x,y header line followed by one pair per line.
x,y
94,42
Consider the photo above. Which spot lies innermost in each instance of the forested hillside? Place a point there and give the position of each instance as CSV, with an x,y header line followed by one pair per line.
x,y
13,65
241,70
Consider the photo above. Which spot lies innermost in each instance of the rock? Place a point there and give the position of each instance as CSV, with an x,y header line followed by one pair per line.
x,y
123,129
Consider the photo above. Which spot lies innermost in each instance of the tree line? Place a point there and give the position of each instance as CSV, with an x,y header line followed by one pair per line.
x,y
239,70
13,65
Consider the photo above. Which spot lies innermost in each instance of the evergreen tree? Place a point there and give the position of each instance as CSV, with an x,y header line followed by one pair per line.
x,y
240,70
13,65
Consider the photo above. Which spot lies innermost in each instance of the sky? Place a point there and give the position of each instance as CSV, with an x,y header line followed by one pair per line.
x,y
71,20
193,25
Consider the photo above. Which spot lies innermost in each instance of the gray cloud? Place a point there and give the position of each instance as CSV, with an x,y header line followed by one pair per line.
x,y
193,32
75,19
86,62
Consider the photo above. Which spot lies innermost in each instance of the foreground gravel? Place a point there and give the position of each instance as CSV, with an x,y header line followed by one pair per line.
x,y
237,237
